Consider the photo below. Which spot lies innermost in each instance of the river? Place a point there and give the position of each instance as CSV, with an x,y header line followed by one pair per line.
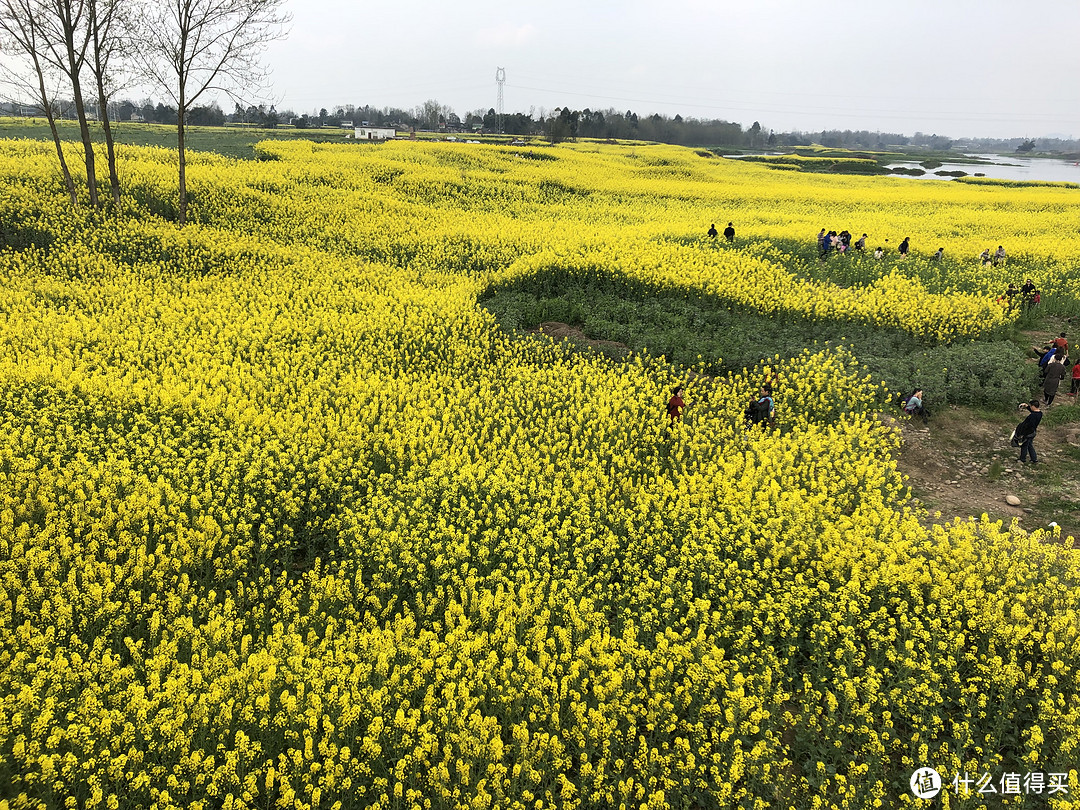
x,y
1003,168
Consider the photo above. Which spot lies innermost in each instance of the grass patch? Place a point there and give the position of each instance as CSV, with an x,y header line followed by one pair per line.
x,y
235,142
990,181
694,329
1062,414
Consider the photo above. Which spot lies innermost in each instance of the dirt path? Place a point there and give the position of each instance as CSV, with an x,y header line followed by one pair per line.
x,y
558,330
962,465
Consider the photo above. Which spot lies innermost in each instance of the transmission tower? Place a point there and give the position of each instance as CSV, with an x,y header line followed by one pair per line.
x,y
500,80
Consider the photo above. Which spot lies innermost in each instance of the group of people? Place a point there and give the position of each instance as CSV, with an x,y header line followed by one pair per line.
x,y
830,242
1053,365
762,407
760,411
729,232
1026,296
840,243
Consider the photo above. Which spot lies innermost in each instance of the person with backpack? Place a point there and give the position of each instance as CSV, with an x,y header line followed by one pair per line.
x,y
762,408
1024,434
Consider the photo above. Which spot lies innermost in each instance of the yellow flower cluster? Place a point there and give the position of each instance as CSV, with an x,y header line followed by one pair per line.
x,y
287,521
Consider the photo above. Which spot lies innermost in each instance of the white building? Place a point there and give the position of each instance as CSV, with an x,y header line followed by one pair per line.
x,y
374,133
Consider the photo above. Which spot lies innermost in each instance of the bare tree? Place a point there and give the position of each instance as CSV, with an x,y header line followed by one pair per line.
x,y
108,39
429,113
191,47
66,36
21,30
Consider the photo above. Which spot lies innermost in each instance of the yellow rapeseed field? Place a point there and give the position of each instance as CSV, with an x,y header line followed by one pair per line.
x,y
288,521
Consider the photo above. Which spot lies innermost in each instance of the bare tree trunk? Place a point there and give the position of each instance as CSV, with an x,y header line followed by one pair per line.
x,y
103,34
69,183
88,144
110,146
75,56
183,160
21,21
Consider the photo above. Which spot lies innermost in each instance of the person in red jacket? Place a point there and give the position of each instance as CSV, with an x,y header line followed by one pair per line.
x,y
1062,345
676,405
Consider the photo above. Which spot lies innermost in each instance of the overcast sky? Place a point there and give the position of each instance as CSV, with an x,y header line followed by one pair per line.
x,y
960,68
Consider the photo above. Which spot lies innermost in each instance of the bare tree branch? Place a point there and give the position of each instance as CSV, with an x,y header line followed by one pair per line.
x,y
192,47
21,33
65,35
108,27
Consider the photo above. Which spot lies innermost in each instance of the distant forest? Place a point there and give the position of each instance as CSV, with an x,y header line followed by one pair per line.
x,y
561,123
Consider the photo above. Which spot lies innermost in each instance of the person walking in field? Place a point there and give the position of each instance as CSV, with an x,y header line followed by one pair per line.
x,y
713,233
1075,387
676,405
1055,373
762,408
729,232
904,246
939,254
827,244
1030,294
1025,431
1011,295
1062,345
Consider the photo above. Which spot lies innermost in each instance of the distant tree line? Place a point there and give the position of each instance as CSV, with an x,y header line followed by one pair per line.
x,y
560,124
564,123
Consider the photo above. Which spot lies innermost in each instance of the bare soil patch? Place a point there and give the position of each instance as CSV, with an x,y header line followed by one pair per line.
x,y
559,330
963,466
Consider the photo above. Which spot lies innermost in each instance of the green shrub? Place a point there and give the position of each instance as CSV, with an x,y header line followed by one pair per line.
x,y
704,332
